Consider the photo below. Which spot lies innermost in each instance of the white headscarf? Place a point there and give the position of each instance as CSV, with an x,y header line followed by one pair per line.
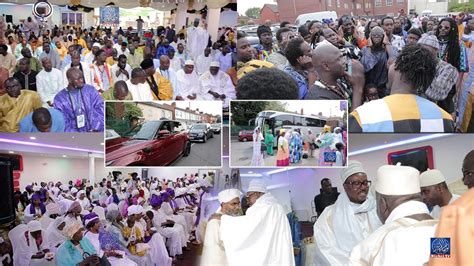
x,y
55,236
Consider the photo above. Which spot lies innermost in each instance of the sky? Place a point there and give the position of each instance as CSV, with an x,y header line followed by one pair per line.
x,y
242,6
210,107
328,108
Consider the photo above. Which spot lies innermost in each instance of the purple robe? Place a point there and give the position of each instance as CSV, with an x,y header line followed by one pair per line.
x,y
87,101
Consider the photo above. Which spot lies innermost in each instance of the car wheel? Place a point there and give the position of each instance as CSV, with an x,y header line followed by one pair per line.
x,y
212,135
244,140
204,139
187,149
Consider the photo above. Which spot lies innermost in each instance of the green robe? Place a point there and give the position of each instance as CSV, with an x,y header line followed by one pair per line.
x,y
269,139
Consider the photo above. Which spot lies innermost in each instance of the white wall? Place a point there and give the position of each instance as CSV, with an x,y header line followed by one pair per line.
x,y
45,169
23,11
448,154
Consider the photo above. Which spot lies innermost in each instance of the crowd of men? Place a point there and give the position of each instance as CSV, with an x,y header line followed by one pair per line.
x,y
399,74
56,80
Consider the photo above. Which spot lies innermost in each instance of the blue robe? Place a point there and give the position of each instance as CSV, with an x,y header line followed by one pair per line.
x,y
57,122
86,101
68,255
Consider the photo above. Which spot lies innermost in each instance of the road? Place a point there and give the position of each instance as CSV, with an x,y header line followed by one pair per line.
x,y
241,155
203,154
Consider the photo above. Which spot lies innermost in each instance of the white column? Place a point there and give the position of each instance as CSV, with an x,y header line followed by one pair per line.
x,y
181,15
213,18
91,168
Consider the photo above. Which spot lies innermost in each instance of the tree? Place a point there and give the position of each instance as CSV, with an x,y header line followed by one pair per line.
x,y
461,7
132,110
253,12
242,112
276,106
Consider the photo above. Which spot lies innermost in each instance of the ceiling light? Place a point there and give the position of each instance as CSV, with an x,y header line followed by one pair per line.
x,y
11,152
33,138
64,156
27,143
250,172
102,143
280,170
250,175
398,143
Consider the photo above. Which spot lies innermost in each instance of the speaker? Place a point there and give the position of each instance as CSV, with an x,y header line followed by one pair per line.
x,y
7,208
15,159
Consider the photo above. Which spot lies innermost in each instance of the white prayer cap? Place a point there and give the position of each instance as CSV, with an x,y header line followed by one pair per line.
x,y
112,206
36,188
134,209
80,193
96,44
257,185
178,192
397,180
431,177
204,183
34,226
353,168
227,195
52,208
73,190
189,63
215,64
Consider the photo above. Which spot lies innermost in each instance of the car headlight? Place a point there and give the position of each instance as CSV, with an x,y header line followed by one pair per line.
x,y
109,163
201,134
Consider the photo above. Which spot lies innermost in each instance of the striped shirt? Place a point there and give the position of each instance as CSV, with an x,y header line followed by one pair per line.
x,y
400,113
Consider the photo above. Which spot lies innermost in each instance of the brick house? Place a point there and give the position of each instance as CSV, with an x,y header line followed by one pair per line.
x,y
269,12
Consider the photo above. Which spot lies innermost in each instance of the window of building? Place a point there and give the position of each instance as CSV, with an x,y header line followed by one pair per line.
x,y
378,3
346,6
358,6
70,18
338,3
400,2
389,2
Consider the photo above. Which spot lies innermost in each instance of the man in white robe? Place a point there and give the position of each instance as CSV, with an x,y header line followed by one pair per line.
x,y
435,192
138,87
217,85
203,61
121,70
351,219
168,73
205,209
49,82
197,39
262,236
84,67
404,239
213,252
188,83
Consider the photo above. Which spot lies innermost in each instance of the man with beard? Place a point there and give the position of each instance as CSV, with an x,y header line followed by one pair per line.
x,y
76,63
159,85
49,82
52,54
351,219
216,85
388,27
434,191
283,36
121,70
26,75
398,29
188,82
213,251
265,47
272,245
34,63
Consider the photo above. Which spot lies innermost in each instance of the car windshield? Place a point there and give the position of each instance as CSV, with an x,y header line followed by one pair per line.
x,y
200,126
147,131
216,125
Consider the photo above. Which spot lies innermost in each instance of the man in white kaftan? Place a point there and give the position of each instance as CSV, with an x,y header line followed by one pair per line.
x,y
49,82
217,85
203,62
205,209
197,39
188,83
404,239
351,219
138,87
262,236
213,252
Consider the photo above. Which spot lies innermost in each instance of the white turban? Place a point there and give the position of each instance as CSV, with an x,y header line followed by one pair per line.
x,y
80,193
52,208
74,190
431,177
71,229
215,64
34,226
353,168
257,185
229,194
397,180
112,206
134,209
189,63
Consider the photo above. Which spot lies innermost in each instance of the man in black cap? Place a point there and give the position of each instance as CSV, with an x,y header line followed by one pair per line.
x,y
265,47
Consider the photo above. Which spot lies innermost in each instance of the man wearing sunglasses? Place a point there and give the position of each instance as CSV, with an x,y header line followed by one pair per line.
x,y
351,219
262,236
404,239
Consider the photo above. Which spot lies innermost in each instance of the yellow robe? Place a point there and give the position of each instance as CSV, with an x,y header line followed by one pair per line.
x,y
165,89
13,110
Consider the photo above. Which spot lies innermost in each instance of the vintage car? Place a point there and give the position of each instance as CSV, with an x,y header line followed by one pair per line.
x,y
157,143
200,132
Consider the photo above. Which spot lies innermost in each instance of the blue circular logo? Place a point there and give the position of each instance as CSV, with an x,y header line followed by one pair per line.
x,y
440,246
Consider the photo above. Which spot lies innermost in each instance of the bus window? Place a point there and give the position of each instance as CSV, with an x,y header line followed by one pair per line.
x,y
299,121
313,122
286,120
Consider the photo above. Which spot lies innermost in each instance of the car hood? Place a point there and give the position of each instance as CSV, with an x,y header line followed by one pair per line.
x,y
196,131
126,148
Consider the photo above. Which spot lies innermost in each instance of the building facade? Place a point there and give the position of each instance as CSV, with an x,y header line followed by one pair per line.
x,y
269,12
155,111
290,9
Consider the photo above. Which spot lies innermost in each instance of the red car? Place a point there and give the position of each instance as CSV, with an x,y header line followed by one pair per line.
x,y
245,135
157,143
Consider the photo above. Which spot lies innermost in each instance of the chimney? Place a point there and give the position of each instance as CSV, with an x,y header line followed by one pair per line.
x,y
302,113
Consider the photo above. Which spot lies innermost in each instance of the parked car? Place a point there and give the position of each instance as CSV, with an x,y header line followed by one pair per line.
x,y
112,138
157,143
246,135
216,128
201,132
